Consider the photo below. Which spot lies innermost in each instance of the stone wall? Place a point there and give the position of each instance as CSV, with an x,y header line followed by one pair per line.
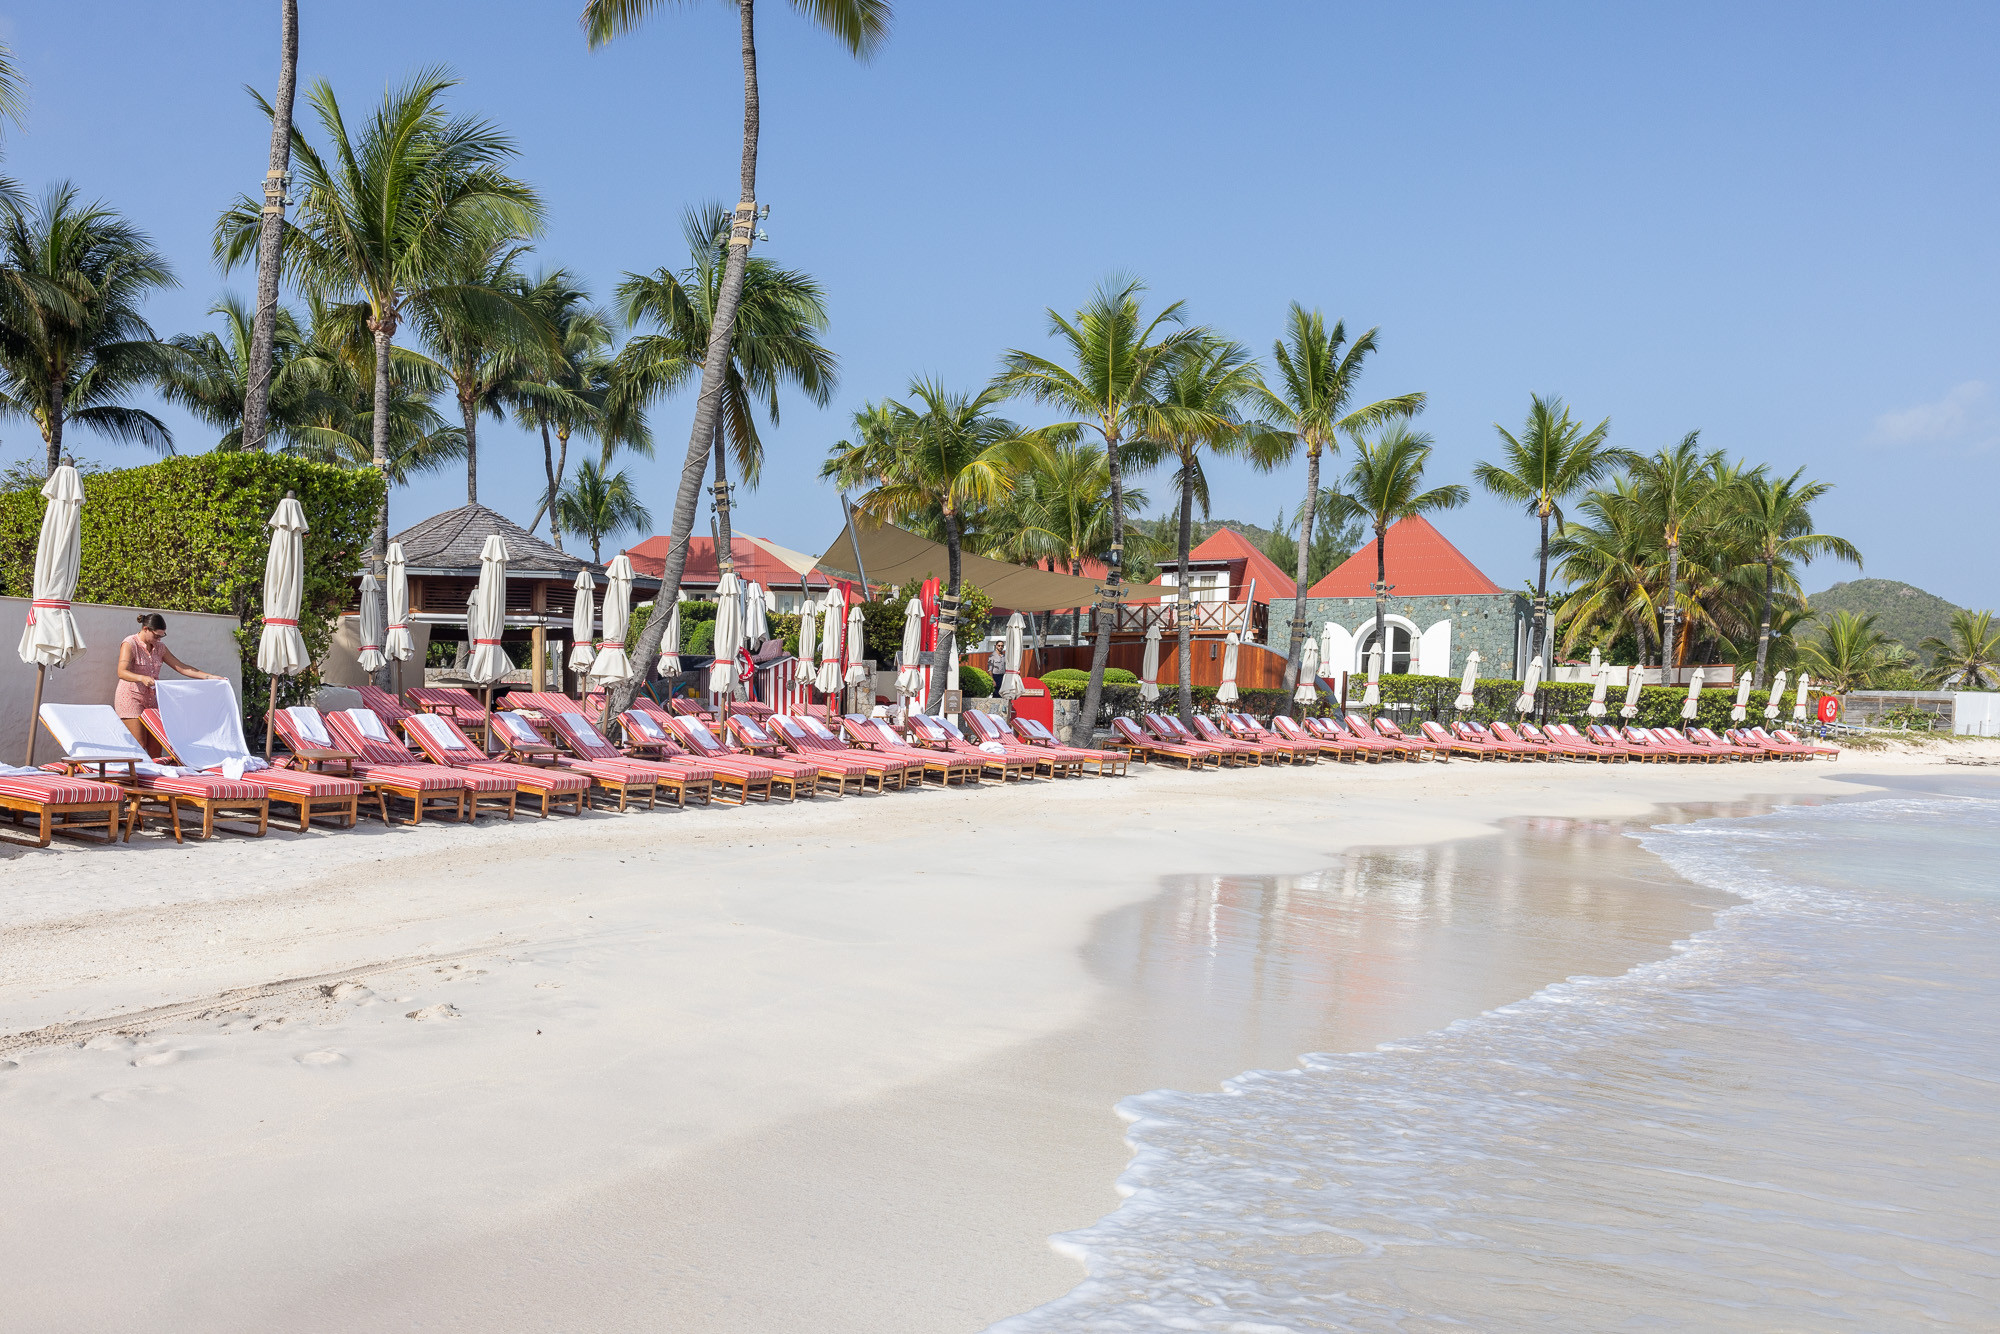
x,y
1486,622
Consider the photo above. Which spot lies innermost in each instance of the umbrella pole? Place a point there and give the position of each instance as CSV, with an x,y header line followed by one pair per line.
x,y
486,741
270,712
35,714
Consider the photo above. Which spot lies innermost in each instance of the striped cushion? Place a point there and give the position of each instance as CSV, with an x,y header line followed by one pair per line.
x,y
421,777
613,771
529,777
306,784
207,786
54,790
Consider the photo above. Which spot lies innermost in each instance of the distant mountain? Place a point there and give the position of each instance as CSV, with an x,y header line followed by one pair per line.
x,y
1903,612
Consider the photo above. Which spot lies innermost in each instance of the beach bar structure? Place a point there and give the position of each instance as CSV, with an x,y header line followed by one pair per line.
x,y
442,554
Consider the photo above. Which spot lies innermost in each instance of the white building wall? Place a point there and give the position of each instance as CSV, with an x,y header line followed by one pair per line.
x,y
1974,713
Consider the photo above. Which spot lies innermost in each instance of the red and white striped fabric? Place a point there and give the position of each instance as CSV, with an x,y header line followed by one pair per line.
x,y
565,717
56,789
389,762
445,743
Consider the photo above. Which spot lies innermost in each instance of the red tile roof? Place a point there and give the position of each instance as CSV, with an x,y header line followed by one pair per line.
x,y
753,563
1228,544
1421,563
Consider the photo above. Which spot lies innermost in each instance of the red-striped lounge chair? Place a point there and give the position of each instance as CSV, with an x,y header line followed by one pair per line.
x,y
310,738
1675,736
92,736
360,731
1035,732
1602,734
917,764
939,765
620,780
1372,748
1674,741
1658,746
809,738
1291,729
1035,760
1402,747
1705,736
1268,752
815,771
1229,754
1540,745
1387,728
1144,747
444,742
682,707
1770,750
937,734
569,723
1562,745
1245,727
759,774
310,794
647,734
387,707
1786,738
1435,732
1516,749
52,804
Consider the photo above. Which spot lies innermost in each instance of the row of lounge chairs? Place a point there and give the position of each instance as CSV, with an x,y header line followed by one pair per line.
x,y
545,754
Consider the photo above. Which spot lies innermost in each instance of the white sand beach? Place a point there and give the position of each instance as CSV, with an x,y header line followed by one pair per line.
x,y
843,1066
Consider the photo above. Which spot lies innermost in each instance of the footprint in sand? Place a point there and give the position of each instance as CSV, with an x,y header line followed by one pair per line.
x,y
6,1066
344,991
167,1057
444,1011
322,1058
133,1094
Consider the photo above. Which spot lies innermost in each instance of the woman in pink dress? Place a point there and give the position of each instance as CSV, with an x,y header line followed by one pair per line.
x,y
140,658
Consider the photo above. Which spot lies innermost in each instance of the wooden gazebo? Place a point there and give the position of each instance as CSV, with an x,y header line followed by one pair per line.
x,y
442,558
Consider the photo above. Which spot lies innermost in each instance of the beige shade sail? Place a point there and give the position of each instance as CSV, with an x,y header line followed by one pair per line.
x,y
895,556
50,638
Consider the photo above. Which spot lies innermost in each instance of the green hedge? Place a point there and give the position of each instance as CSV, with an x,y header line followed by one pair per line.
x,y
974,681
188,534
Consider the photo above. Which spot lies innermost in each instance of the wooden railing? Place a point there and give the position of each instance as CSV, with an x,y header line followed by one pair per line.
x,y
1205,618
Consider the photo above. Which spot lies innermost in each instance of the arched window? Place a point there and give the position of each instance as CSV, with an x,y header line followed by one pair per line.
x,y
1398,655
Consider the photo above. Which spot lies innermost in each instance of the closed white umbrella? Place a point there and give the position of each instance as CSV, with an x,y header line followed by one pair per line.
x,y
1801,701
1777,695
1693,701
611,662
50,638
855,673
1596,661
827,679
1466,682
281,650
399,646
583,624
808,637
728,635
1329,651
489,661
670,641
372,659
1373,699
1526,703
1149,670
1010,679
1602,674
1633,680
1226,692
756,616
910,667
1308,690
1742,709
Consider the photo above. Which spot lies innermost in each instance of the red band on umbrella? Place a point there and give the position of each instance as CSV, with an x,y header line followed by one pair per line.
x,y
368,647
400,625
485,641
56,604
280,620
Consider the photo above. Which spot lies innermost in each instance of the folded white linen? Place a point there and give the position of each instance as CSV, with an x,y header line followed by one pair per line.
x,y
437,729
204,725
517,726
582,727
310,726
369,725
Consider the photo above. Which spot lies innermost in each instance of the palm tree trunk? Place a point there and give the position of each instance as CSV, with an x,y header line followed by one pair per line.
x,y
1305,554
1670,641
549,497
1381,598
271,236
1541,644
562,471
470,414
52,433
1100,656
384,330
721,333
1184,603
947,629
1764,629
725,549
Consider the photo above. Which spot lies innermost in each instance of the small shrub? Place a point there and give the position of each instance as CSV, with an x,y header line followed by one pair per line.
x,y
976,683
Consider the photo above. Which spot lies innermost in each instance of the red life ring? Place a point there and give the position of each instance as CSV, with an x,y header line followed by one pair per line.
x,y
1829,708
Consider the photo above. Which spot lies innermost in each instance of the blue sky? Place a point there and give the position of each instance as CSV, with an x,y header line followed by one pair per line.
x,y
1774,223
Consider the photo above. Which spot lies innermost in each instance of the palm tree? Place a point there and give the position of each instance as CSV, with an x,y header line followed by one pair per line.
x,y
333,373
573,387
860,26
72,279
1552,459
775,342
1609,563
486,333
1118,359
1384,484
1850,650
1970,659
208,373
382,217
1199,409
1059,512
597,506
1776,516
1316,382
13,104
1676,489
271,232
946,455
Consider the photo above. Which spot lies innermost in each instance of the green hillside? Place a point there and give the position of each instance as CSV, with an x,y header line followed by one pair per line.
x,y
1904,613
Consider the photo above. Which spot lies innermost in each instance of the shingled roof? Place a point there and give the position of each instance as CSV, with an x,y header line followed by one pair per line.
x,y
450,543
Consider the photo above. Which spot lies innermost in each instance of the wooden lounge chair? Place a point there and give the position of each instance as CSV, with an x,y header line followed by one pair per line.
x,y
92,737
937,734
444,742
1706,736
733,780
1370,747
1546,748
361,731
1387,728
1650,742
1146,748
1268,752
1468,730
769,778
567,723
1471,747
1291,729
1245,727
1677,737
619,780
1055,762
1563,745
815,771
809,738
429,788
1601,734
1786,738
1229,754
938,764
310,795
52,804
453,702
1034,732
